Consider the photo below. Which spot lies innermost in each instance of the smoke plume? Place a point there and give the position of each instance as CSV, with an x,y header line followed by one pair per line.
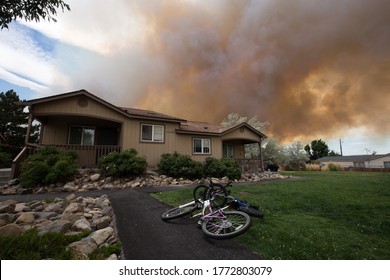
x,y
310,68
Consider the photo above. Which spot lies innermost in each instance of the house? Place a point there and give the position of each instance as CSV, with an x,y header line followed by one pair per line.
x,y
82,122
359,161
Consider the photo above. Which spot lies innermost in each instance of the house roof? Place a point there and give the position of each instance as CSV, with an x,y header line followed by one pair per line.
x,y
213,129
355,158
189,127
129,112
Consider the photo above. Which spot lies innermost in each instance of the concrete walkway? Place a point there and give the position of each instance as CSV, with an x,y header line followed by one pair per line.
x,y
145,236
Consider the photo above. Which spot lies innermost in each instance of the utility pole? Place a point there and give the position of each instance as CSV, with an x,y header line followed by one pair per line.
x,y
341,148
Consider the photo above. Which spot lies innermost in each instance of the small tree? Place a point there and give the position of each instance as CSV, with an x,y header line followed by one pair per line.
x,y
13,124
317,149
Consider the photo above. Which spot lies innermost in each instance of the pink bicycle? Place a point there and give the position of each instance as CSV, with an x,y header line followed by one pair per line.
x,y
215,223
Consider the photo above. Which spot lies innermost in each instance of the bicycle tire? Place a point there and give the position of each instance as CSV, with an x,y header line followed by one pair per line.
x,y
200,193
235,223
178,212
219,200
251,211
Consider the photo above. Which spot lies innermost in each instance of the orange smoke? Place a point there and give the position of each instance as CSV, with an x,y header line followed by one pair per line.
x,y
311,68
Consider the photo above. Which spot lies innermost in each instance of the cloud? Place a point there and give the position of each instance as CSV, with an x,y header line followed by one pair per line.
x,y
24,61
311,68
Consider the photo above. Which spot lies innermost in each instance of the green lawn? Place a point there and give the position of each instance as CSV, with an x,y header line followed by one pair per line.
x,y
326,215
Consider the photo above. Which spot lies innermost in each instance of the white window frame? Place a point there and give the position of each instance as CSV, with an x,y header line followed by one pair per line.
x,y
386,164
83,127
205,148
154,138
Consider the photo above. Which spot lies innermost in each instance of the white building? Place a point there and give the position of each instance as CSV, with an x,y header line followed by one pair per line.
x,y
360,161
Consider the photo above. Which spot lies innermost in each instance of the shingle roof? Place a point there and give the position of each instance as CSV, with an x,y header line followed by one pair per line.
x,y
148,114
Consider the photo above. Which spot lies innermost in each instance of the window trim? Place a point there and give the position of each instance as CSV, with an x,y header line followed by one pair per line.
x,y
202,146
82,134
153,126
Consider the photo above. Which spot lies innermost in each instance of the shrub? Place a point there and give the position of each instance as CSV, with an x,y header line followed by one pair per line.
x,y
5,159
177,165
180,166
222,167
123,164
334,167
313,167
48,165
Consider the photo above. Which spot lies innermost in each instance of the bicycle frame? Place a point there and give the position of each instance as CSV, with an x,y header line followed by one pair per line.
x,y
214,214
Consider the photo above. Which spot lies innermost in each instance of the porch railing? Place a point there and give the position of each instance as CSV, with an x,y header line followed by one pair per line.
x,y
88,156
250,164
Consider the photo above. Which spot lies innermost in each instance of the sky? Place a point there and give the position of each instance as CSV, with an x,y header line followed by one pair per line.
x,y
313,69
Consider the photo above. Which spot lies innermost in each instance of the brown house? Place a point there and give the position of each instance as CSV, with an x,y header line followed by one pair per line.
x,y
93,127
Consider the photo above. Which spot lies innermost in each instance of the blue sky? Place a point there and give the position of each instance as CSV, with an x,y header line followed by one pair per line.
x,y
176,58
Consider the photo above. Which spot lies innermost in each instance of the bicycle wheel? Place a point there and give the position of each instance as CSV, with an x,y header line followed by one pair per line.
x,y
233,224
177,212
219,195
252,211
201,193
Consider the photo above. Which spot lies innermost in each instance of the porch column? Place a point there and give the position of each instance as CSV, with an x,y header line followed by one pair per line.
x,y
261,156
30,118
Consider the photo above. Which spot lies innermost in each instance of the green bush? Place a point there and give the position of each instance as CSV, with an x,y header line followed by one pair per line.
x,y
123,164
48,165
180,166
5,159
222,167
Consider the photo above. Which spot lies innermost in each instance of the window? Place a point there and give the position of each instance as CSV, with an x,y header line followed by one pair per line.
x,y
82,135
386,164
359,164
201,146
152,133
228,150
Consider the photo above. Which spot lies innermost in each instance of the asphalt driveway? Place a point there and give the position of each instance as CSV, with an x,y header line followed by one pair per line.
x,y
144,236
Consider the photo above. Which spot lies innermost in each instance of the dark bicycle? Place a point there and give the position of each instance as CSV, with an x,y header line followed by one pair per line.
x,y
220,196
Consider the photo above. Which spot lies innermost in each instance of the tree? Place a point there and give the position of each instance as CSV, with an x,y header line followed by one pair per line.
x,y
317,149
296,156
251,150
274,154
13,124
30,10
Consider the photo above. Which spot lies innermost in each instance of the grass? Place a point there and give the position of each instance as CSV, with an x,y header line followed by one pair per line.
x,y
326,215
32,246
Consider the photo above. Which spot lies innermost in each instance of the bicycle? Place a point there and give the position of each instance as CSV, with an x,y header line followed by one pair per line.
x,y
221,197
217,223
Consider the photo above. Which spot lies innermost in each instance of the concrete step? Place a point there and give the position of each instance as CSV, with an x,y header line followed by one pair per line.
x,y
5,175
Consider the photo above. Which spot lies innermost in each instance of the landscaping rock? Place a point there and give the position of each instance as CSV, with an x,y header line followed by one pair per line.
x,y
7,206
11,230
70,215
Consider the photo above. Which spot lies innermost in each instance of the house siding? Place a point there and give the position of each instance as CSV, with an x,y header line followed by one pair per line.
x,y
57,114
70,107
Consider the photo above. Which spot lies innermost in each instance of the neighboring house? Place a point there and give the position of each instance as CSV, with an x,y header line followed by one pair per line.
x,y
93,127
359,161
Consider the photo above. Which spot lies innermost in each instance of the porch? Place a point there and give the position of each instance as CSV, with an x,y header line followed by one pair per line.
x,y
87,155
